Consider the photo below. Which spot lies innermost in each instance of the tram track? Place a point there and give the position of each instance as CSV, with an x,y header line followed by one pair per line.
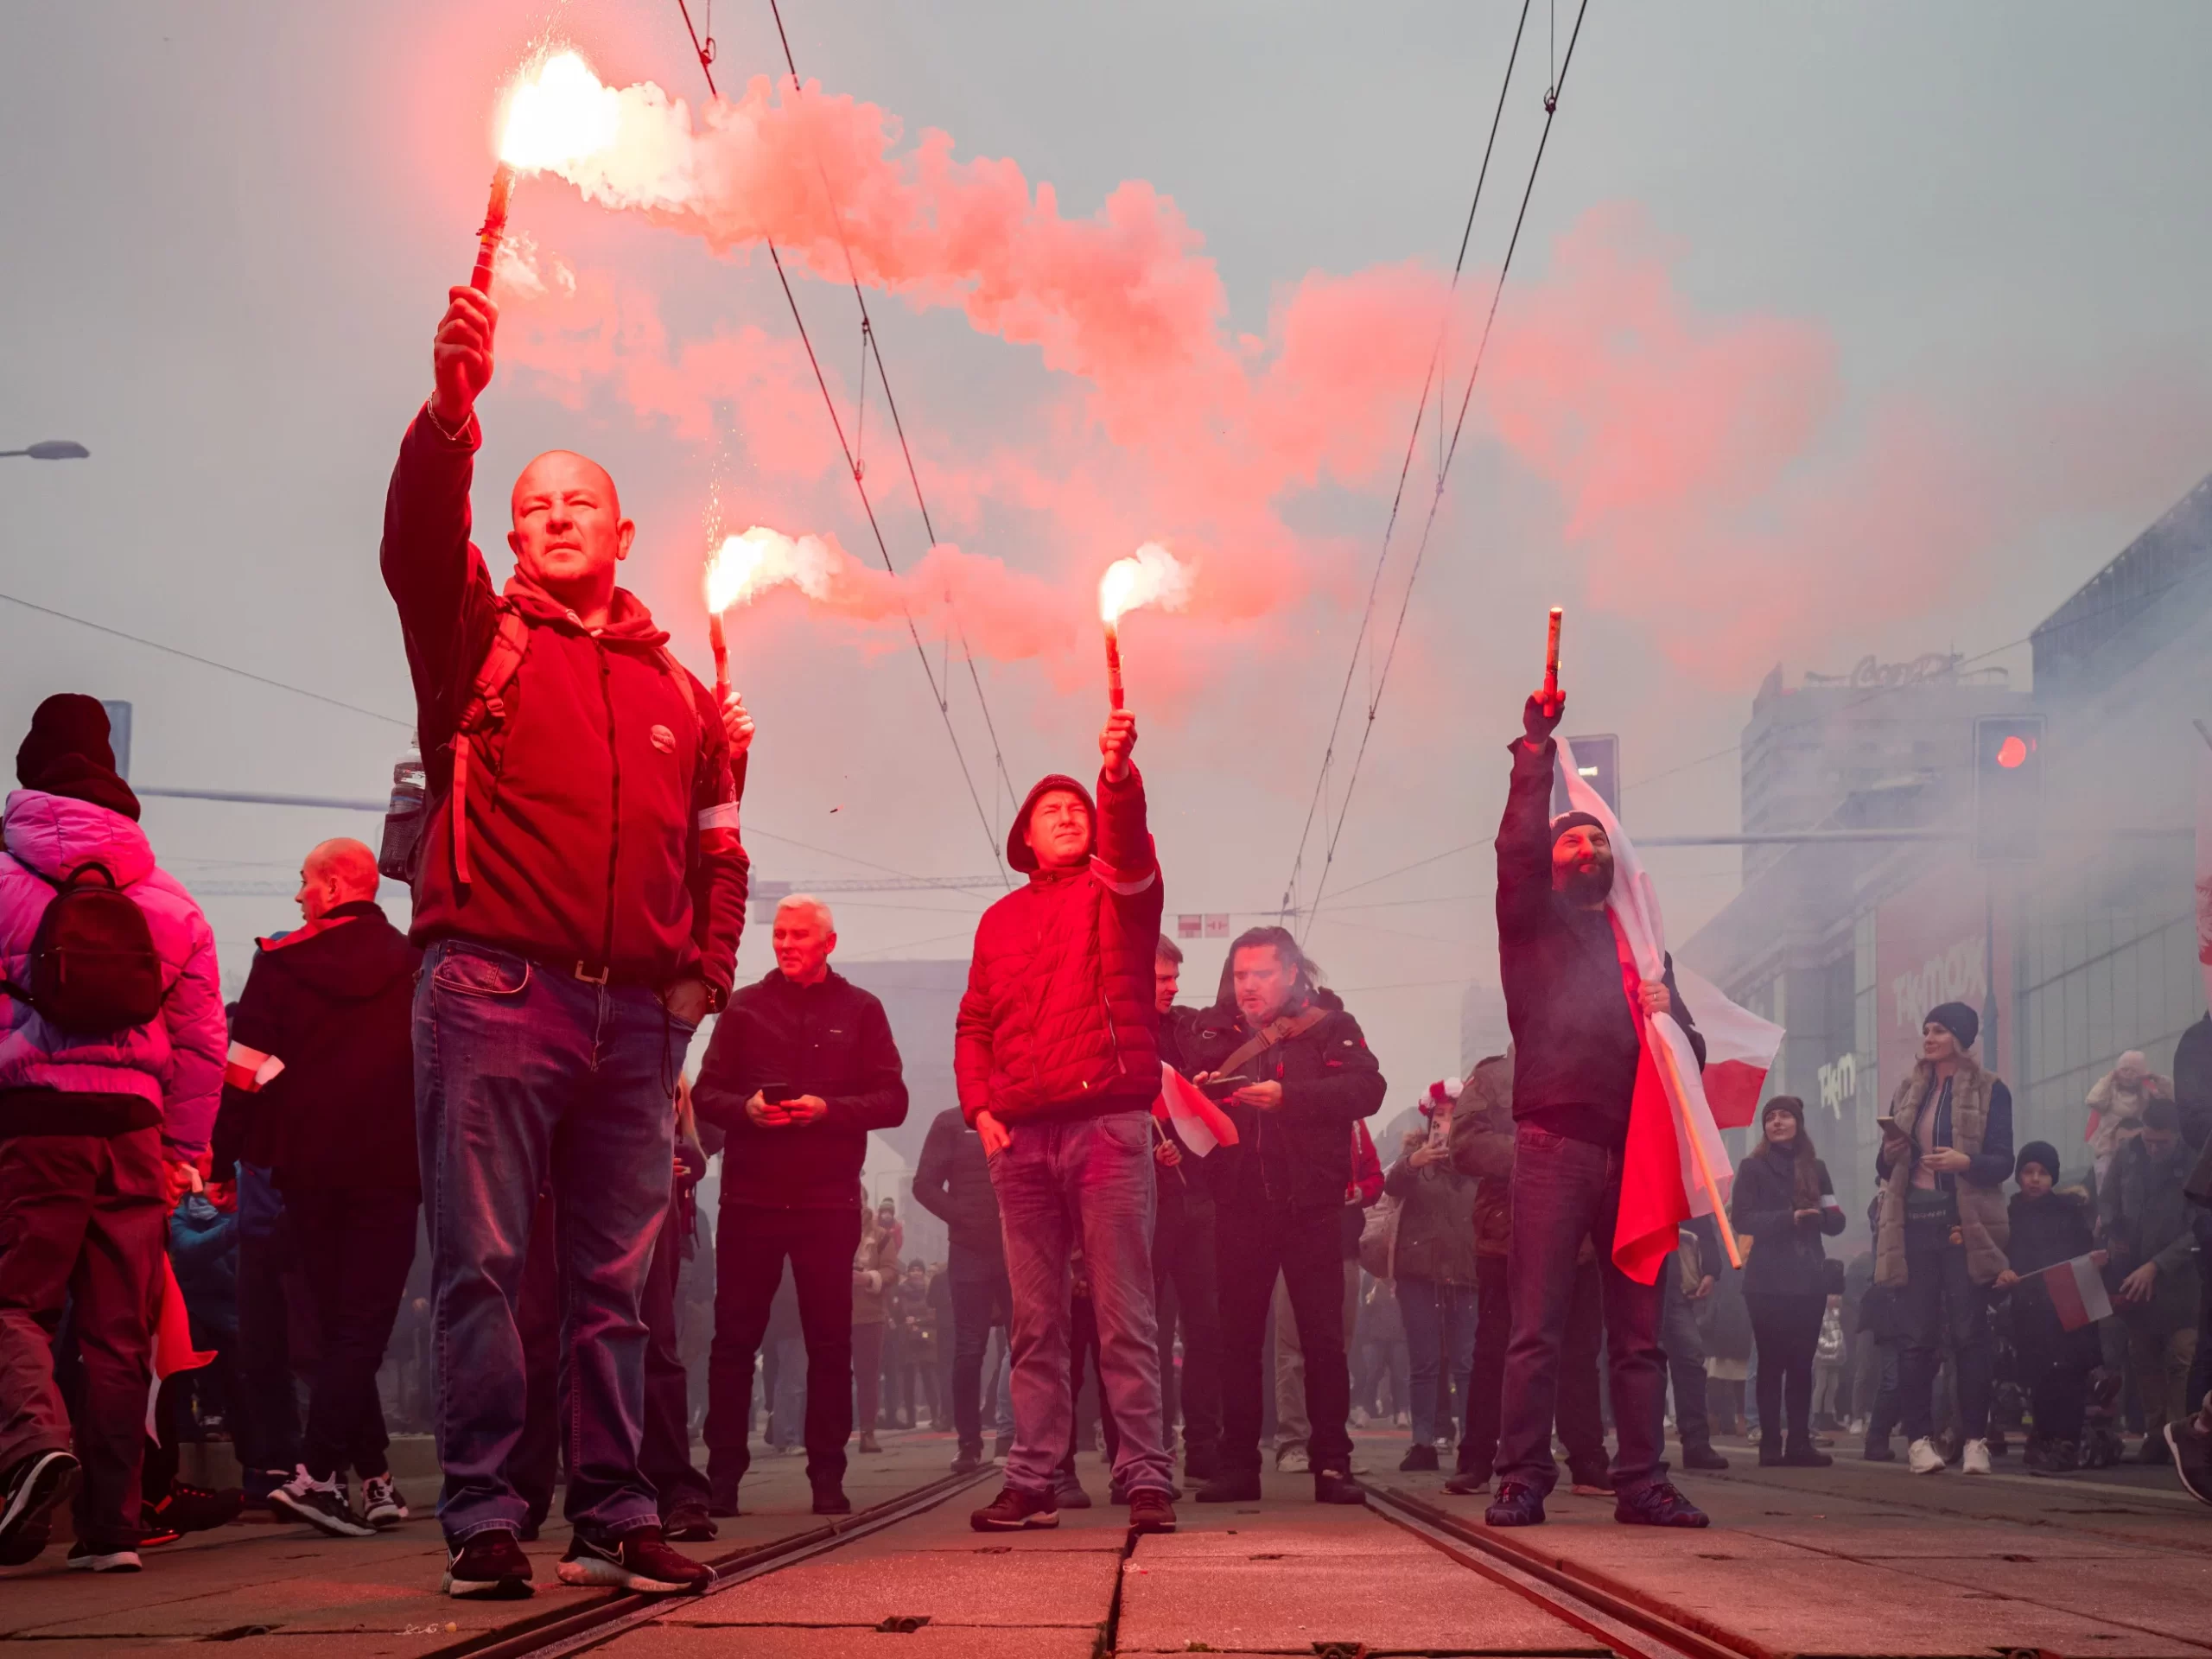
x,y
1633,1624
573,1630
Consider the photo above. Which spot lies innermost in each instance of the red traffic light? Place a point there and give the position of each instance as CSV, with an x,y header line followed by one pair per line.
x,y
2013,753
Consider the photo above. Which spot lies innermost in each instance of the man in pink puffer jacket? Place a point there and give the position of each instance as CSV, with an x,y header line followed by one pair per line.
x,y
98,1138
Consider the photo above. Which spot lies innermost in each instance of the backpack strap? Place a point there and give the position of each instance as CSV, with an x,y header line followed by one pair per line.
x,y
486,708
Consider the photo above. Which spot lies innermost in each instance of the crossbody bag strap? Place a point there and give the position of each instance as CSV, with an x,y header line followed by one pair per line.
x,y
1275,1031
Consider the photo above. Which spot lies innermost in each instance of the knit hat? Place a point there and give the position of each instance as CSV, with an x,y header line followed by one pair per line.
x,y
2037,1152
2161,1114
1961,1022
1018,854
1788,1104
66,751
1566,821
1439,1096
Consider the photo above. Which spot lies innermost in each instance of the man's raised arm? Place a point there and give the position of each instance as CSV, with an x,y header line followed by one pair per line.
x,y
1524,855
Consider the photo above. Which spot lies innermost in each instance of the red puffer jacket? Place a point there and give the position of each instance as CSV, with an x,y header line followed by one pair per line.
x,y
1058,1019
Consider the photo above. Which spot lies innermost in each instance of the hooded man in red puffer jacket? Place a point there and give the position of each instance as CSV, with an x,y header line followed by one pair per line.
x,y
1057,1061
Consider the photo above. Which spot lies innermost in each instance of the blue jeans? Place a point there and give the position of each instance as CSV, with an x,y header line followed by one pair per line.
x,y
1083,1183
529,1080
1940,1300
1440,1346
1566,1190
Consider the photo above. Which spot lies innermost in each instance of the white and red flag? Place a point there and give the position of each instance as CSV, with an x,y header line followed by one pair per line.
x,y
1199,1124
2204,860
1740,1049
173,1349
2077,1290
1674,1165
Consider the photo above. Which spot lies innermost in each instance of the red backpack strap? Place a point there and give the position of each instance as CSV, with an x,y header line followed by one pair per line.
x,y
485,708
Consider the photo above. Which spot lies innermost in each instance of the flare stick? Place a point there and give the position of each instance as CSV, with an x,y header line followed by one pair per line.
x,y
1551,657
494,229
721,690
1113,665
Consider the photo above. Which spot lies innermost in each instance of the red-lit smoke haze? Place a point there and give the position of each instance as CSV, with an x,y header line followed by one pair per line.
x,y
1709,479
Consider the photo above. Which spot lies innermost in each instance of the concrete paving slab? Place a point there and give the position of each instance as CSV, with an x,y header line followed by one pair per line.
x,y
1071,1587
847,1641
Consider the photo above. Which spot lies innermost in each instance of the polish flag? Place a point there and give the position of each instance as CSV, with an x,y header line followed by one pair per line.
x,y
1740,1049
1674,1165
2077,1290
1200,1123
173,1349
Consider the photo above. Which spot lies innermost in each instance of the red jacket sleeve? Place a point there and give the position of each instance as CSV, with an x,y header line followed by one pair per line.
x,y
1366,1169
719,875
971,1036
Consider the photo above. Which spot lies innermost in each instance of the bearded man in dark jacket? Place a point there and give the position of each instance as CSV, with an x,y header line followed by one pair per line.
x,y
1308,1079
1577,1041
320,1086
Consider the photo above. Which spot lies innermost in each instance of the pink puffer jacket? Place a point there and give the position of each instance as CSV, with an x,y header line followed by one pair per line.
x,y
175,1061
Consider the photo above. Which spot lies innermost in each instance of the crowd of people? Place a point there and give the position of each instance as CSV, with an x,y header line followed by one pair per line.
x,y
1182,1204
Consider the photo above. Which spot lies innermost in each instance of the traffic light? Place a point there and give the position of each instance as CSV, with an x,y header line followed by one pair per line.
x,y
2008,787
1598,758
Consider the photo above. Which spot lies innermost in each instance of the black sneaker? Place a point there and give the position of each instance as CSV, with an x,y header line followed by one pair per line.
x,y
1657,1505
723,1503
1518,1503
968,1463
830,1498
1151,1510
321,1505
382,1506
490,1564
185,1509
1232,1486
2191,1446
1468,1483
1596,1482
1702,1457
640,1561
28,1540
1420,1459
1013,1510
1337,1486
28,1496
690,1523
97,1556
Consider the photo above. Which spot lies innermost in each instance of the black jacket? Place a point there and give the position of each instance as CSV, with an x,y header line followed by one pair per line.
x,y
334,1004
953,1183
1299,1154
1788,1258
830,1040
2045,1231
1575,1041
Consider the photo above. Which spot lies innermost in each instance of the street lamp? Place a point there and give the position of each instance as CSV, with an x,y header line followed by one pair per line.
x,y
51,449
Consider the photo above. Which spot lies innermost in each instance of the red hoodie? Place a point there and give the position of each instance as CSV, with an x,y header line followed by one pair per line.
x,y
602,818
1060,1019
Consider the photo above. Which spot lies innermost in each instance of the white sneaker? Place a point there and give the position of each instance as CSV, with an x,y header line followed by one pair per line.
x,y
1927,1460
1291,1460
1975,1459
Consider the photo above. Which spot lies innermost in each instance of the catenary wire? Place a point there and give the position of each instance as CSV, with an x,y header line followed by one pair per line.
x,y
943,705
1436,501
874,346
209,662
1405,471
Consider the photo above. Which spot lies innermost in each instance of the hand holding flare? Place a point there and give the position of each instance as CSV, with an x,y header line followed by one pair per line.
x,y
1150,576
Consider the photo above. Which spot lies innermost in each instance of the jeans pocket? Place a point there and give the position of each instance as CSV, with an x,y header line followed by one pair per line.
x,y
1131,1131
473,970
1529,1135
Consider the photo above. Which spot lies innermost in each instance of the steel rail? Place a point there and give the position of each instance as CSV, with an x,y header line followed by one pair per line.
x,y
569,1630
1631,1627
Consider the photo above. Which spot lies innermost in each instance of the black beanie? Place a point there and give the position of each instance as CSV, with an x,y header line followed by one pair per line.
x,y
1961,1022
2037,1152
66,751
1566,821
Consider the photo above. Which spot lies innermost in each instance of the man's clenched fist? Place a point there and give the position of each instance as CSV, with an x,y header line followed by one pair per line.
x,y
461,356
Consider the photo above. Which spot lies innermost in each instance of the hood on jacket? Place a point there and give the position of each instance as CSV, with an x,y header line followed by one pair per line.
x,y
1018,854
627,619
352,956
57,834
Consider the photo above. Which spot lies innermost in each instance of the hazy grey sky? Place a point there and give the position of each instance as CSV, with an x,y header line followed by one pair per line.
x,y
1980,226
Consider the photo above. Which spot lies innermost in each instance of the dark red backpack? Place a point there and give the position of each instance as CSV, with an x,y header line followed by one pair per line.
x,y
94,968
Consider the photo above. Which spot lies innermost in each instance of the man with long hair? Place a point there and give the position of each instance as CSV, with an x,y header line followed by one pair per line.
x,y
1298,1077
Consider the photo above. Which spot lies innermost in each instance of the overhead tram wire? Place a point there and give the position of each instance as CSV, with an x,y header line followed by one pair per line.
x,y
210,662
1436,501
705,53
1405,469
874,347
